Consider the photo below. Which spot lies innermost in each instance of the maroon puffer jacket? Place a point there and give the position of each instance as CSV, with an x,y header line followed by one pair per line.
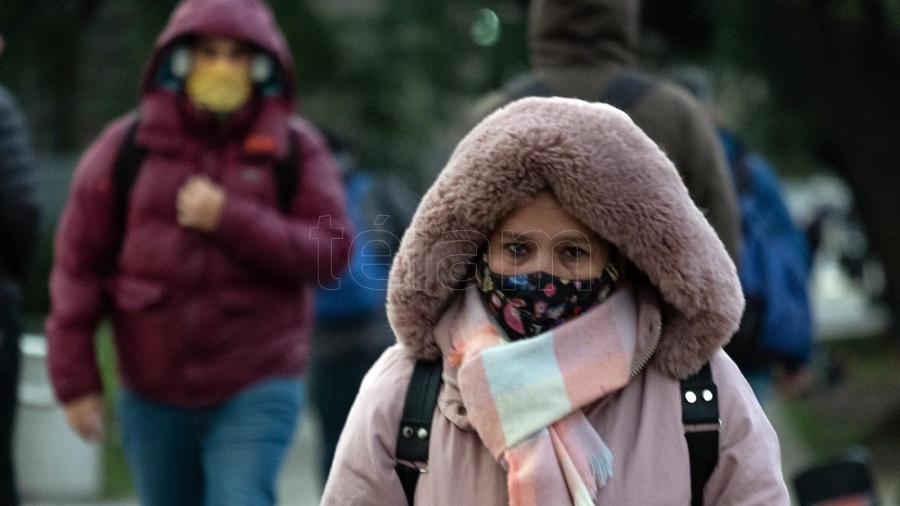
x,y
198,316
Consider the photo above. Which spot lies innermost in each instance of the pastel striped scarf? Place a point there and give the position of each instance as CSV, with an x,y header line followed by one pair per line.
x,y
524,398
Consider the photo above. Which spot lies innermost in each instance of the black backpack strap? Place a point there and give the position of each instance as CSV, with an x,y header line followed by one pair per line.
x,y
285,173
131,156
415,426
700,415
124,173
627,90
623,93
527,85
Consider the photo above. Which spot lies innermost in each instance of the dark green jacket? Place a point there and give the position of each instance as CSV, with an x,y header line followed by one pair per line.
x,y
579,47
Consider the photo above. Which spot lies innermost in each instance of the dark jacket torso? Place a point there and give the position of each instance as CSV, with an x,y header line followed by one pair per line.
x,y
19,210
578,49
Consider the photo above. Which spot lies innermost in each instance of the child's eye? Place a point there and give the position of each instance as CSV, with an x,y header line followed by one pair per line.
x,y
574,252
517,249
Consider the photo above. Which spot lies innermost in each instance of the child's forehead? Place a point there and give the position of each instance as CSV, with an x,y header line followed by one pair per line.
x,y
544,217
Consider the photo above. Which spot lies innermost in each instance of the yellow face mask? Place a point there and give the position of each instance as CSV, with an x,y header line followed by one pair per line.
x,y
220,87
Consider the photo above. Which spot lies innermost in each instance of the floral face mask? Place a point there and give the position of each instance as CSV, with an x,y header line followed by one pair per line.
x,y
526,305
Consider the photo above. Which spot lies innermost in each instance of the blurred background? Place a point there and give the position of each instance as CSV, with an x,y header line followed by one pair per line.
x,y
813,85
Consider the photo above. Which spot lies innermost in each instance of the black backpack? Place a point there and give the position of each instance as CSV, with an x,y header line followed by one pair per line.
x,y
131,157
699,414
699,397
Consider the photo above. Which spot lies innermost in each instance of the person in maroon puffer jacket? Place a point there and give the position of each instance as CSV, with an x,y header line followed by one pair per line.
x,y
208,282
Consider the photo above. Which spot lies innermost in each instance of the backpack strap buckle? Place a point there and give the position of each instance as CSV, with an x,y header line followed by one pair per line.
x,y
703,427
700,416
415,426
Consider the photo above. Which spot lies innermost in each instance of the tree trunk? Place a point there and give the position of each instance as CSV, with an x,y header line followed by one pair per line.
x,y
852,82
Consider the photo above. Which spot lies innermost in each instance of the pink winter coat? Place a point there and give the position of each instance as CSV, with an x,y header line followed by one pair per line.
x,y
198,316
607,173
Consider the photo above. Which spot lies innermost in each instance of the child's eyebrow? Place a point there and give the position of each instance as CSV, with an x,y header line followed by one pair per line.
x,y
569,236
573,237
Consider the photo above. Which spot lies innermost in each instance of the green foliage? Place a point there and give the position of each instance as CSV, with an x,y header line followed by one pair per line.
x,y
824,436
759,39
313,43
44,42
756,81
391,73
401,73
892,11
748,46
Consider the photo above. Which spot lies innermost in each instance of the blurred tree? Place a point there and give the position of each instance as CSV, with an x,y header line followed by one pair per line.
x,y
402,70
825,75
393,73
42,62
838,62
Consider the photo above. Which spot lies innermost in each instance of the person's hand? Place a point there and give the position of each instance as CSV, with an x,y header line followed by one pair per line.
x,y
85,416
200,203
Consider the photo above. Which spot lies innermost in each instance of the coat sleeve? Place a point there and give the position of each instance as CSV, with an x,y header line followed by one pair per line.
x,y
362,473
749,469
83,252
19,210
312,242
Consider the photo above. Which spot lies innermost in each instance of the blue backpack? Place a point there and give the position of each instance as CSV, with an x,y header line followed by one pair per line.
x,y
773,268
378,221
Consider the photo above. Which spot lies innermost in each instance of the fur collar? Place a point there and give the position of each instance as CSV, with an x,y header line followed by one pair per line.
x,y
605,171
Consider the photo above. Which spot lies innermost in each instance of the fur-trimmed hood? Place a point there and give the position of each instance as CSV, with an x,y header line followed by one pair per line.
x,y
605,171
248,20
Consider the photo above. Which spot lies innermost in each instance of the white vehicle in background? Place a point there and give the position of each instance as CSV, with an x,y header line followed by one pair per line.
x,y
847,279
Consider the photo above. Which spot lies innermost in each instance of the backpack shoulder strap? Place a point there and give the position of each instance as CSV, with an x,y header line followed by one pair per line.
x,y
415,426
286,172
124,173
700,415
623,93
627,89
527,85
131,156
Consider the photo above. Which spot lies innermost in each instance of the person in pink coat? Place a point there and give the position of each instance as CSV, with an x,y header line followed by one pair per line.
x,y
562,275
205,263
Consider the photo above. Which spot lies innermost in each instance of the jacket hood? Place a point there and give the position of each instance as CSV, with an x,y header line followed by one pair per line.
x,y
248,20
605,171
578,33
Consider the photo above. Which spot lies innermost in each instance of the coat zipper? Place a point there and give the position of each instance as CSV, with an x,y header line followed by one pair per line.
x,y
655,344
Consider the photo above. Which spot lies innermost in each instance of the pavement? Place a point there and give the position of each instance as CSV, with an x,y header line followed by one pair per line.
x,y
298,484
795,456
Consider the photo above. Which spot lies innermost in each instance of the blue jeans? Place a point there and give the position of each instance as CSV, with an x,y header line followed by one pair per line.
x,y
228,454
